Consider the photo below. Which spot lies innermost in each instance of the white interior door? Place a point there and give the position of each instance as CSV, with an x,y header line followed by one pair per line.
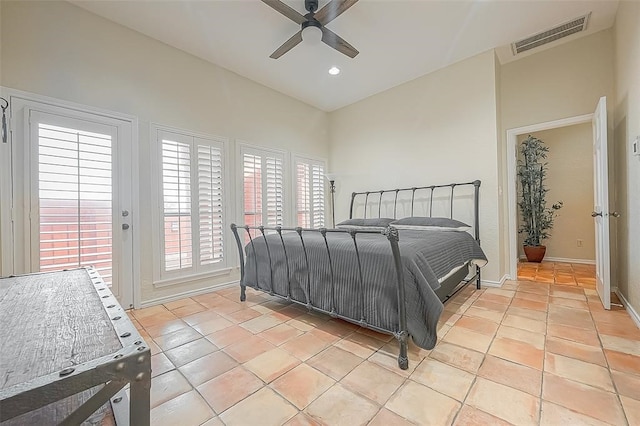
x,y
601,200
80,198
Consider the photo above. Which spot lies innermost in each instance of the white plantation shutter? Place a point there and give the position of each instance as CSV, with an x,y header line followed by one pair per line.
x,y
75,199
318,196
210,204
192,203
310,193
274,190
303,195
252,189
263,187
176,193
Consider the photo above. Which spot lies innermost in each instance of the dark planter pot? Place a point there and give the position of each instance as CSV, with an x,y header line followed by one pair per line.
x,y
535,253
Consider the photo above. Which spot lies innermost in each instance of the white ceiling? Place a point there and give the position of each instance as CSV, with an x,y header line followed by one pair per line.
x,y
398,40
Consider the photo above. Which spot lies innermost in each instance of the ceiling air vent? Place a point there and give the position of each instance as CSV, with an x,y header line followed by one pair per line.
x,y
574,26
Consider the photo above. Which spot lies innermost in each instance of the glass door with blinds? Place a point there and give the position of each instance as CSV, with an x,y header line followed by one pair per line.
x,y
80,171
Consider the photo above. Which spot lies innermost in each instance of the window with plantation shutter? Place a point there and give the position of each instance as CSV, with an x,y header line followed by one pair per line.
x,y
263,186
191,204
310,192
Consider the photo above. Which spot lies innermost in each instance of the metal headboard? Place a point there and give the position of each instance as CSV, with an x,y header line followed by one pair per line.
x,y
373,198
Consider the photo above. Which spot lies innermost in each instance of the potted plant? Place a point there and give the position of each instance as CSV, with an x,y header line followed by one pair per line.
x,y
537,218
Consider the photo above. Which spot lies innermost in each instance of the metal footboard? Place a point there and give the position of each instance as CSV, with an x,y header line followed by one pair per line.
x,y
401,334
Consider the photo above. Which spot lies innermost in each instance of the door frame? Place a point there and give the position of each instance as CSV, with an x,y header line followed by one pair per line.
x,y
15,253
512,161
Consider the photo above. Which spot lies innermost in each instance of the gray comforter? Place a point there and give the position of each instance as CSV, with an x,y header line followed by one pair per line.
x,y
427,256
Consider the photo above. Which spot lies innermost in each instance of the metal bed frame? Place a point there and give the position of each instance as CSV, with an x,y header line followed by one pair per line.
x,y
391,233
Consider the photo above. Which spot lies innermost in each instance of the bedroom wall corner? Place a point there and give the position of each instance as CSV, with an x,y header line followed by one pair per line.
x,y
627,166
439,128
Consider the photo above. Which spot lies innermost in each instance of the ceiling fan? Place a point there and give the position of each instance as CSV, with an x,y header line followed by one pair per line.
x,y
318,19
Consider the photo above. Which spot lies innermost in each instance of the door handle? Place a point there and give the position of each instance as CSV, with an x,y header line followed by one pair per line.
x,y
594,214
615,214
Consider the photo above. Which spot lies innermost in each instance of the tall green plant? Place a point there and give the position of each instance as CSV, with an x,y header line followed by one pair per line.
x,y
537,219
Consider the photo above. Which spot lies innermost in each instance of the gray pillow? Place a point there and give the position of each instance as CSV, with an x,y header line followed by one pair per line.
x,y
430,223
376,222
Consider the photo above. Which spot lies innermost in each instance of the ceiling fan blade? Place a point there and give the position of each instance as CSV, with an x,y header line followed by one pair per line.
x,y
332,39
332,10
287,45
286,10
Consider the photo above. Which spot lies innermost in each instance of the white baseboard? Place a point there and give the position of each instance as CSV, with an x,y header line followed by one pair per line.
x,y
632,312
190,293
566,260
491,283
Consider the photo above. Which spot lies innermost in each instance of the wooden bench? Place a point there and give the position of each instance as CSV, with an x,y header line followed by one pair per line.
x,y
68,352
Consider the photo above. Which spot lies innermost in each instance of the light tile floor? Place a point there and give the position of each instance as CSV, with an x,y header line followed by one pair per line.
x,y
558,273
527,353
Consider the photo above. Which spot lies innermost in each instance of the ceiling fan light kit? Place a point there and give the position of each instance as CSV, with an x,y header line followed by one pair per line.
x,y
311,33
312,21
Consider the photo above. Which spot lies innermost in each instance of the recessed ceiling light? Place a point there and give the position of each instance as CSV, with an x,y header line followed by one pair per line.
x,y
334,70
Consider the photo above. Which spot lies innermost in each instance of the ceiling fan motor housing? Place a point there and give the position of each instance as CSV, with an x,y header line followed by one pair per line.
x,y
311,5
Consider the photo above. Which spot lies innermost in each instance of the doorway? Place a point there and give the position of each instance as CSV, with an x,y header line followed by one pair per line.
x,y
512,152
600,211
569,178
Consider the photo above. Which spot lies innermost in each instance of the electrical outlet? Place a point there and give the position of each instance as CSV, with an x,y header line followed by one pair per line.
x,y
579,242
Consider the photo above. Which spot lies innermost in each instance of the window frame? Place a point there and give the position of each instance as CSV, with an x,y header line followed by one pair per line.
x,y
306,159
162,277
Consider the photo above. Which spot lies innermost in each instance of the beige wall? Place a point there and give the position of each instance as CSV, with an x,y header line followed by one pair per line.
x,y
562,82
627,166
569,179
59,50
440,128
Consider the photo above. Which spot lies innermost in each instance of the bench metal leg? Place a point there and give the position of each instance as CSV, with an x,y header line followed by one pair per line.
x,y
140,401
